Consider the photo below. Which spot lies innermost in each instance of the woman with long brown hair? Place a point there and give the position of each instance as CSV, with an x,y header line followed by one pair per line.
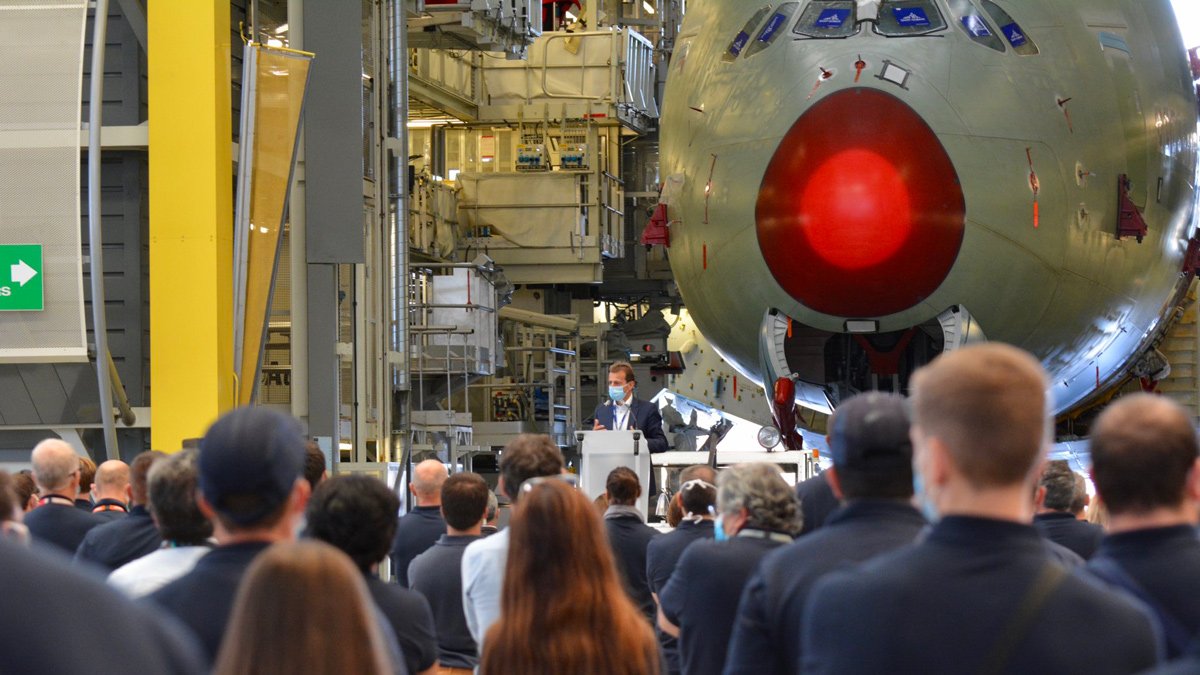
x,y
563,609
303,608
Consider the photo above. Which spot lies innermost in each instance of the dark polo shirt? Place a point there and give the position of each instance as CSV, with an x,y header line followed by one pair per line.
x,y
702,596
60,524
437,575
662,555
417,531
123,540
203,598
1066,530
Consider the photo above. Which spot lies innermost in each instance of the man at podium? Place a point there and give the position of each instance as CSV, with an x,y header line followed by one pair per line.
x,y
621,411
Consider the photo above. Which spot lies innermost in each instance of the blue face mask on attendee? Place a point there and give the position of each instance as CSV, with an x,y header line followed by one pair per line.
x,y
923,501
617,394
718,525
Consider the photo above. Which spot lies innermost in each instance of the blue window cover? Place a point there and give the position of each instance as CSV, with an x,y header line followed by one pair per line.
x,y
975,26
777,20
832,18
739,43
911,16
1016,37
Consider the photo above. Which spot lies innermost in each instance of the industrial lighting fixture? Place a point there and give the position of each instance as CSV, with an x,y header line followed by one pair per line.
x,y
648,7
283,28
769,437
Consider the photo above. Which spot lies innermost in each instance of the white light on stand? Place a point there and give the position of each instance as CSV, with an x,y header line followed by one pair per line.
x,y
769,437
648,7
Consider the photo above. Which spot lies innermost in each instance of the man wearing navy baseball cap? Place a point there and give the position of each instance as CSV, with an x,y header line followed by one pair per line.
x,y
250,485
872,477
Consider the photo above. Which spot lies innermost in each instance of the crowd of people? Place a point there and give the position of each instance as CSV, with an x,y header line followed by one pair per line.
x,y
939,540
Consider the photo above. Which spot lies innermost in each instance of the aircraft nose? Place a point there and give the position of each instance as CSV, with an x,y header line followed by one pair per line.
x,y
860,212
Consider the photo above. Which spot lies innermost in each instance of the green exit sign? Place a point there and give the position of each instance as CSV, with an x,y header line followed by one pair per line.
x,y
21,278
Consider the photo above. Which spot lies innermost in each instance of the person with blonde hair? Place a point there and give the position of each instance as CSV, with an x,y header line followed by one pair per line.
x,y
303,608
566,612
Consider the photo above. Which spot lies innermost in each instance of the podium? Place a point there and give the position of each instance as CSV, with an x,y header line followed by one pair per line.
x,y
603,451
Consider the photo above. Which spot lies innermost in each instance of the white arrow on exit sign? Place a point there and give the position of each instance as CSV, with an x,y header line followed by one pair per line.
x,y
22,272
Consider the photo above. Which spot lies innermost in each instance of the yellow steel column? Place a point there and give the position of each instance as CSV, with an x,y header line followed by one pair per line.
x,y
191,218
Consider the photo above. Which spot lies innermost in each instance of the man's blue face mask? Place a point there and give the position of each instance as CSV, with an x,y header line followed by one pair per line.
x,y
923,501
617,394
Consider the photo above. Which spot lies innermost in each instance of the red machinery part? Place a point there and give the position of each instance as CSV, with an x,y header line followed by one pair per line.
x,y
783,412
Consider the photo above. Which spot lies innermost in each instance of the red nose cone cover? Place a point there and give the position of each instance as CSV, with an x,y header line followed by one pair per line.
x,y
860,213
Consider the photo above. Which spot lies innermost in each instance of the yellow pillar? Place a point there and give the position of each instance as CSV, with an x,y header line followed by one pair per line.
x,y
191,218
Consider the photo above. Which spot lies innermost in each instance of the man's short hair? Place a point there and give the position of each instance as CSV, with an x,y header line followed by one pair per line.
x,y
987,405
87,474
53,464
871,448
696,497
139,472
622,486
528,456
464,500
625,369
1143,448
357,514
171,495
314,463
758,487
1059,481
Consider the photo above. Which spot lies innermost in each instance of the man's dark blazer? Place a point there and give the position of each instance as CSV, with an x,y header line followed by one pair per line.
x,y
646,419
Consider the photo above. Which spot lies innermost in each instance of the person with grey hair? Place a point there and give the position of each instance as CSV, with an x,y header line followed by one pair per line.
x,y
493,515
56,520
422,526
1053,518
756,512
185,531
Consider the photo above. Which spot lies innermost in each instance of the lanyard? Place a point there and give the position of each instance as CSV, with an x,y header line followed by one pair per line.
x,y
50,498
763,534
622,422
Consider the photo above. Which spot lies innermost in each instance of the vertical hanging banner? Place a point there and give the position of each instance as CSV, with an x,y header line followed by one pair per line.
x,y
41,99
273,87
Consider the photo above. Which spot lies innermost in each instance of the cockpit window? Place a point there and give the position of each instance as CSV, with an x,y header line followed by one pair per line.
x,y
1016,36
906,18
975,25
743,37
828,19
773,28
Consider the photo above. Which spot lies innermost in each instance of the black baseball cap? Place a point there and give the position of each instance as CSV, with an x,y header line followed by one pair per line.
x,y
870,432
254,454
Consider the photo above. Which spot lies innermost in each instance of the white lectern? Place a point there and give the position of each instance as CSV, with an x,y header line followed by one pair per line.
x,y
603,451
